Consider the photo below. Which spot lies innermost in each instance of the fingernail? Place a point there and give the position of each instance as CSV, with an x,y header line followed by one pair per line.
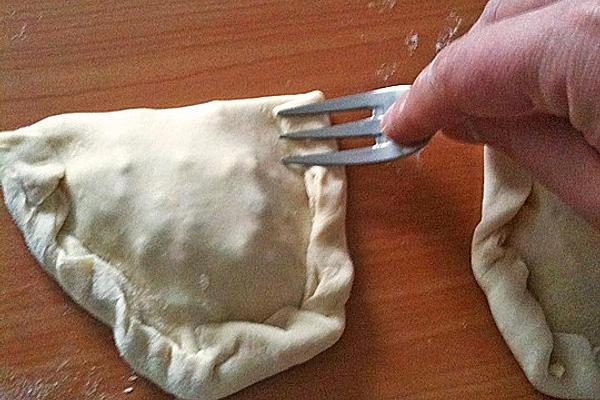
x,y
395,109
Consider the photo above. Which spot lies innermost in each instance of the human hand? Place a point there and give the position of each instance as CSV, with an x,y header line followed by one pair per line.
x,y
526,80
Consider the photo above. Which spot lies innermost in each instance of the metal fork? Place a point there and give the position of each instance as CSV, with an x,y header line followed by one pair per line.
x,y
384,149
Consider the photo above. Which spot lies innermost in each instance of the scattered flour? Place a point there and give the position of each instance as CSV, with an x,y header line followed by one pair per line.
x,y
382,5
63,381
21,34
449,31
412,41
387,70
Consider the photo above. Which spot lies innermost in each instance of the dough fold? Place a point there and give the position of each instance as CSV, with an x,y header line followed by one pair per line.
x,y
539,266
215,265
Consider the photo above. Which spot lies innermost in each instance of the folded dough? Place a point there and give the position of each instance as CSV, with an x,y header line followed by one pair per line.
x,y
215,265
539,266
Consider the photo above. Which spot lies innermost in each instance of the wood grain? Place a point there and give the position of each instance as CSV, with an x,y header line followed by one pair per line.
x,y
418,325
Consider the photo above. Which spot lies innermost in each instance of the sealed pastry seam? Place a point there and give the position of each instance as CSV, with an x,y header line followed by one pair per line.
x,y
510,263
214,359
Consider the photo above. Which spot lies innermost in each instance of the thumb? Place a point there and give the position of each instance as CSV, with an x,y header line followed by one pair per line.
x,y
421,112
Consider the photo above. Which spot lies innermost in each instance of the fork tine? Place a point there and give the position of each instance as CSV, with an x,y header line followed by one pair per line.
x,y
365,127
383,152
352,102
378,101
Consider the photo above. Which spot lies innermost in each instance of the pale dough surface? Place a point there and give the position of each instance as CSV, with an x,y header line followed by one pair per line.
x,y
215,265
539,266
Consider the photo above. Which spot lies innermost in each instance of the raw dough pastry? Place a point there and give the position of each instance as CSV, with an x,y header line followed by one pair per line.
x,y
215,265
539,266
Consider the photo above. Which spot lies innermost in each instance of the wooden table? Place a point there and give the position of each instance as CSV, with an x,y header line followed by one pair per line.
x,y
418,325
